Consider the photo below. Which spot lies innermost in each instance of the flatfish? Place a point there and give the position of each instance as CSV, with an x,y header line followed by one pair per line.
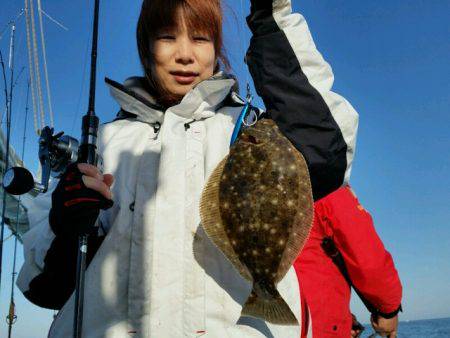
x,y
257,208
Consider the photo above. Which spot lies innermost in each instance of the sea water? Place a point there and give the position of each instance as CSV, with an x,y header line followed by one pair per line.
x,y
432,328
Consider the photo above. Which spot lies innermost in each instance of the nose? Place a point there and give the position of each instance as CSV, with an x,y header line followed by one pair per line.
x,y
185,51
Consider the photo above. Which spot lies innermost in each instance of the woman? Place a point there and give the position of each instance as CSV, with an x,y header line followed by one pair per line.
x,y
174,127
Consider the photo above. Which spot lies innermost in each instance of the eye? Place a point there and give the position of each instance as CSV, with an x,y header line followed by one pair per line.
x,y
201,38
166,37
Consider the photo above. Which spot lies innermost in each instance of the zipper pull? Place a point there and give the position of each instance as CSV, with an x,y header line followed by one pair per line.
x,y
187,125
156,128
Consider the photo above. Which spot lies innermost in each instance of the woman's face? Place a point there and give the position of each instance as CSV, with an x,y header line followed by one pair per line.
x,y
183,58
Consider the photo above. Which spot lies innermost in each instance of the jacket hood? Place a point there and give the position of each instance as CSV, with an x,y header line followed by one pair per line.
x,y
199,103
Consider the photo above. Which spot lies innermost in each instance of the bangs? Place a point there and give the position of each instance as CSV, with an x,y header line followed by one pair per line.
x,y
200,16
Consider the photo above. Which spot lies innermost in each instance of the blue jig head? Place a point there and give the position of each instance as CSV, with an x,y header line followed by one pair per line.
x,y
243,117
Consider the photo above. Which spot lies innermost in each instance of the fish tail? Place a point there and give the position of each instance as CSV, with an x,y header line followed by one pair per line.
x,y
268,306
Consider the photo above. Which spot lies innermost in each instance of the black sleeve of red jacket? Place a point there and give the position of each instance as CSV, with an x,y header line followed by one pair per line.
x,y
295,84
52,288
369,265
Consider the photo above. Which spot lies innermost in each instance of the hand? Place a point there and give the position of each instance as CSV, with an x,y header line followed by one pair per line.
x,y
94,180
355,333
385,327
76,202
357,327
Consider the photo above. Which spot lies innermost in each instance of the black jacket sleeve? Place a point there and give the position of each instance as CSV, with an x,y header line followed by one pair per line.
x,y
54,285
295,84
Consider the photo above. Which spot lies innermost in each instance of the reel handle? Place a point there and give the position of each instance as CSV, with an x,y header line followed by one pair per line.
x,y
56,152
19,181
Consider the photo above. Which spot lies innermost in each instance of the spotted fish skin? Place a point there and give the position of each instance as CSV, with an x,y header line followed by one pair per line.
x,y
259,199
264,208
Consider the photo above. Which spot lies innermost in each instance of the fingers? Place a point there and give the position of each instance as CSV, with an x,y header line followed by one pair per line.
x,y
93,179
108,179
355,333
373,321
90,170
97,185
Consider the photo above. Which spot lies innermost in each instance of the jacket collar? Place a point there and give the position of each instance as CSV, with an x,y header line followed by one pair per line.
x,y
200,103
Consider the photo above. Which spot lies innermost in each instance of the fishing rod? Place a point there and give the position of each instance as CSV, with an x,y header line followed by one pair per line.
x,y
87,154
12,317
56,153
9,100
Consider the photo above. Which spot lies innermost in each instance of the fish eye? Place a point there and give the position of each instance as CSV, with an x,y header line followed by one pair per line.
x,y
253,139
249,139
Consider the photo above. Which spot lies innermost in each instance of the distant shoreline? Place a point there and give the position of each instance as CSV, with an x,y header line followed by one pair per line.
x,y
421,320
435,327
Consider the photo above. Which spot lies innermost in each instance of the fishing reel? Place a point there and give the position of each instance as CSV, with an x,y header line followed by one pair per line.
x,y
56,152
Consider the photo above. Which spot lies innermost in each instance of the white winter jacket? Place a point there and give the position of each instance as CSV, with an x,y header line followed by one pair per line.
x,y
145,277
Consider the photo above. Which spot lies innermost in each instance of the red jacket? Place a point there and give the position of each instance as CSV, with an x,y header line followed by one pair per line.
x,y
325,292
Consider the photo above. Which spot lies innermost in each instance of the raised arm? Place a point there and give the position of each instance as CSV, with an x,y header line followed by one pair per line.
x,y
295,84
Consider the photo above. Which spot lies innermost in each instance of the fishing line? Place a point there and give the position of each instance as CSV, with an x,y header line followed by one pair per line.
x,y
248,116
243,51
249,97
83,81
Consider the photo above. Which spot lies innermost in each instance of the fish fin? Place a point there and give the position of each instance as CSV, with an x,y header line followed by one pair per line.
x,y
212,220
272,309
302,223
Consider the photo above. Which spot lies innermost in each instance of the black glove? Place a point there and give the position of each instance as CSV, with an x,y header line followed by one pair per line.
x,y
261,4
75,208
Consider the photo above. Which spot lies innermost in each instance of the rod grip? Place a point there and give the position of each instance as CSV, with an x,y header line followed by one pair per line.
x,y
88,149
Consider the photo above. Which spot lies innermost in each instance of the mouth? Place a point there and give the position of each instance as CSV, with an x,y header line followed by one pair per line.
x,y
184,77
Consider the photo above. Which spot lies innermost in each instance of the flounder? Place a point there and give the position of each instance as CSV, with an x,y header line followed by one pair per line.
x,y
257,208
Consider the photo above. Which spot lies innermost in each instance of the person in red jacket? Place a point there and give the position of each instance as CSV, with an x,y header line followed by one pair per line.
x,y
366,265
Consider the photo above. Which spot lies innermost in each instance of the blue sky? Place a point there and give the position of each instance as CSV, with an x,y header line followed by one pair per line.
x,y
390,60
